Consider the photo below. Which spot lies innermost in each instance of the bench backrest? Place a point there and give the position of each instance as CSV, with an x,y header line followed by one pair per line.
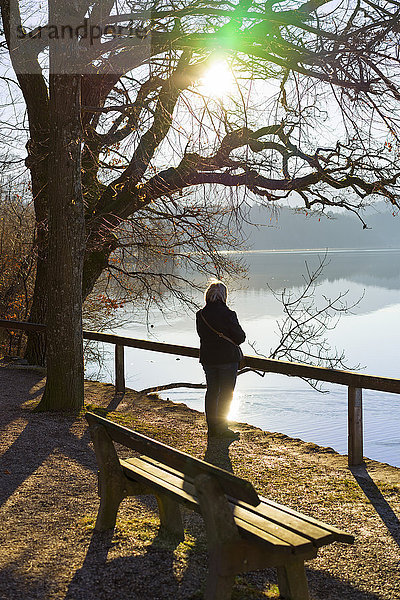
x,y
230,484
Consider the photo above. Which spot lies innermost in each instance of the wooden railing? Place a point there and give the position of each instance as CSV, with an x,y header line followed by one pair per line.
x,y
355,382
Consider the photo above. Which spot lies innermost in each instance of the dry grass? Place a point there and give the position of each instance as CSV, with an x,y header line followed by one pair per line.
x,y
49,550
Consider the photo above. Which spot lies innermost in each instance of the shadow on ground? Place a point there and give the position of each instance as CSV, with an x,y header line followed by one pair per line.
x,y
382,507
36,441
217,453
143,576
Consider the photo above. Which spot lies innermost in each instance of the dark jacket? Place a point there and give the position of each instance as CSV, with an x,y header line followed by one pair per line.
x,y
215,350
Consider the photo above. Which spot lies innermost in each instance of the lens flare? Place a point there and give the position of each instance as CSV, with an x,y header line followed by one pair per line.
x,y
235,405
218,81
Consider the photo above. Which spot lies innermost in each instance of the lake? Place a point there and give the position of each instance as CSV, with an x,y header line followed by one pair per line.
x,y
369,336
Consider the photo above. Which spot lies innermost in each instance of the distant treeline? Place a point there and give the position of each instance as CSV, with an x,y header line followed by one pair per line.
x,y
292,229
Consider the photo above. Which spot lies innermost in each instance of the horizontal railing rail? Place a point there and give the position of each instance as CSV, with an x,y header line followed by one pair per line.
x,y
355,382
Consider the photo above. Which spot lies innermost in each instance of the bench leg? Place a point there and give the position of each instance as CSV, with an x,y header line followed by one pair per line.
x,y
109,505
222,538
218,587
170,516
111,479
292,581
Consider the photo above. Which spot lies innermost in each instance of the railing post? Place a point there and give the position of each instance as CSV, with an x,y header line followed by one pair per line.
x,y
119,368
355,425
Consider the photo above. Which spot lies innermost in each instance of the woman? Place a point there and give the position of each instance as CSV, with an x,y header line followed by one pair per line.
x,y
220,336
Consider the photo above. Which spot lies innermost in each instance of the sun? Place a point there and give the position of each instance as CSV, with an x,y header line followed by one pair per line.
x,y
235,406
218,81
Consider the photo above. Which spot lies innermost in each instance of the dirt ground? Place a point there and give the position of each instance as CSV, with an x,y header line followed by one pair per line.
x,y
48,503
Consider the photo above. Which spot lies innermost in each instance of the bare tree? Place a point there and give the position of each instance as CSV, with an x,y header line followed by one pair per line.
x,y
307,320
122,122
17,257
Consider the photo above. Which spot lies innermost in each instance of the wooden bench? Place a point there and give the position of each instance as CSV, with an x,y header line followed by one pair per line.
x,y
245,532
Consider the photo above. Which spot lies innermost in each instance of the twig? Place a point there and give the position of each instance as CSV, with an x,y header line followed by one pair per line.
x,y
170,386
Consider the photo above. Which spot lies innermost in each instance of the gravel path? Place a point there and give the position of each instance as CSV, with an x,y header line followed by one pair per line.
x,y
48,499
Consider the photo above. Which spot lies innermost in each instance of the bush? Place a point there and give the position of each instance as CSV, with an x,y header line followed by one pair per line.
x,y
17,264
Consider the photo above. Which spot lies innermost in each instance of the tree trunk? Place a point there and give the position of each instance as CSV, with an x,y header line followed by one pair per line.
x,y
65,373
35,352
35,93
38,162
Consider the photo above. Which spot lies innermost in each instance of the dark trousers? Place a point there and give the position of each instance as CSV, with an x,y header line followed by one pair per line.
x,y
221,380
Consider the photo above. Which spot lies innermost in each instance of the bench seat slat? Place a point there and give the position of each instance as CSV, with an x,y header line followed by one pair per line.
x,y
172,476
141,473
338,534
316,533
279,531
249,530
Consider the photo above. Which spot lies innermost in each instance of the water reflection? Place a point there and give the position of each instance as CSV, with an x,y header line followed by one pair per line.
x,y
379,268
369,335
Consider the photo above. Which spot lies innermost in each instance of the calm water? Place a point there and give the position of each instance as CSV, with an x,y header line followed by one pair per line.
x,y
370,336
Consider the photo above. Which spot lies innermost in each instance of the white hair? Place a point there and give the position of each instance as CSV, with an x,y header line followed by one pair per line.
x,y
216,291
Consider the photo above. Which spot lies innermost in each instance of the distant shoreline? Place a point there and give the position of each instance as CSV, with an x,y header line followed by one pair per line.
x,y
309,250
